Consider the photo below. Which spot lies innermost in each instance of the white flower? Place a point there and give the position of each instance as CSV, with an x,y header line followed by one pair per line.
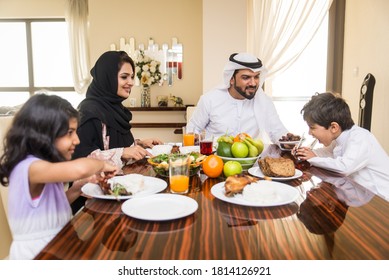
x,y
147,70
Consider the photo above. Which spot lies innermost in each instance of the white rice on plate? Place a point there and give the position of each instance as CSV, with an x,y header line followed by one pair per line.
x,y
257,192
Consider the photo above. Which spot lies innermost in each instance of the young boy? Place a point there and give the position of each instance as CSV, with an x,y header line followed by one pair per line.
x,y
348,149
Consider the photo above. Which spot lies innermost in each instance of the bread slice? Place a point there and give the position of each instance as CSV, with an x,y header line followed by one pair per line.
x,y
277,167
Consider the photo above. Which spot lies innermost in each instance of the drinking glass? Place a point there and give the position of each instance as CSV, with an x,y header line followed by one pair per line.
x,y
179,173
188,137
206,143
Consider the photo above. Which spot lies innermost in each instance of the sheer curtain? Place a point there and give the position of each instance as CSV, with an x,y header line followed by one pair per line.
x,y
77,18
280,30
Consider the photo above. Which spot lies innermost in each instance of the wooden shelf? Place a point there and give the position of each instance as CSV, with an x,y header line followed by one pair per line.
x,y
177,125
158,125
147,109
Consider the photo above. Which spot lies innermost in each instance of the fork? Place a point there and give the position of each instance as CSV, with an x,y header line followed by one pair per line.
x,y
313,144
302,139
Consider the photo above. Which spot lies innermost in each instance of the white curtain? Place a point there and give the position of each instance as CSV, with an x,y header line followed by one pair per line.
x,y
77,19
280,30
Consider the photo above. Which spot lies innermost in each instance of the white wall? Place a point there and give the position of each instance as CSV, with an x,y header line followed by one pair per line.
x,y
366,49
224,32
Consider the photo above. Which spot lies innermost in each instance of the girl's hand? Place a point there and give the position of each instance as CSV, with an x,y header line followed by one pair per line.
x,y
109,169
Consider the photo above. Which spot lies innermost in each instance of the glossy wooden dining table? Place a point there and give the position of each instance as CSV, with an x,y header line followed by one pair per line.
x,y
333,218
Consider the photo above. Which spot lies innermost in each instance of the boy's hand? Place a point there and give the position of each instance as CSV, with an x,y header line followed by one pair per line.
x,y
303,153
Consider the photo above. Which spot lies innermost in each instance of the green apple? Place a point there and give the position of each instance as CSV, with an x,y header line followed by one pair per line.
x,y
239,150
232,168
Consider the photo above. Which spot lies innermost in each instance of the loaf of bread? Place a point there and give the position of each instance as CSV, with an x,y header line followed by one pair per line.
x,y
277,167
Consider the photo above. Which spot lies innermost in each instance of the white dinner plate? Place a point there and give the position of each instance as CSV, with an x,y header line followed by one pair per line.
x,y
161,149
189,149
152,185
282,194
256,171
160,207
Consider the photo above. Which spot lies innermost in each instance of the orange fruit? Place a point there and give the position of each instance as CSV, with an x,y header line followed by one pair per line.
x,y
213,166
240,136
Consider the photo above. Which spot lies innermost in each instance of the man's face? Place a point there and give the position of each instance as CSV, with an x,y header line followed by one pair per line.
x,y
245,82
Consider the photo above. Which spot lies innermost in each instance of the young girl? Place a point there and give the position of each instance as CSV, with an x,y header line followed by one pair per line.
x,y
348,149
36,160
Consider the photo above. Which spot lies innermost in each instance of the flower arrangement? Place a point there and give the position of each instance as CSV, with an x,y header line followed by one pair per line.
x,y
147,70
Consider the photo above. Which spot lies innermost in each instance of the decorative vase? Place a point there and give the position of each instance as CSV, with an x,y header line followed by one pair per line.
x,y
145,97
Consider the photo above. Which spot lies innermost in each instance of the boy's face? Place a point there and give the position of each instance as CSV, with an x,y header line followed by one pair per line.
x,y
67,143
325,135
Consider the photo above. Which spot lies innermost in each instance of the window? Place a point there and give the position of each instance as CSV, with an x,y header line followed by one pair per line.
x,y
293,88
35,58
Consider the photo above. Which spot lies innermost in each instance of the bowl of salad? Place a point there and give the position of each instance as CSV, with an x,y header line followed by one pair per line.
x,y
160,163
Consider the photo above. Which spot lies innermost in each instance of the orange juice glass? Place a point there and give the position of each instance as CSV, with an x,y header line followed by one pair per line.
x,y
179,173
179,184
188,138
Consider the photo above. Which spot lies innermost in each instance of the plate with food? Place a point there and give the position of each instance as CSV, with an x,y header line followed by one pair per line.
x,y
256,171
249,191
281,168
125,187
287,145
160,207
288,141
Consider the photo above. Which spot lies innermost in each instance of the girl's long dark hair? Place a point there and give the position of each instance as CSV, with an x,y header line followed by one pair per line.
x,y
35,127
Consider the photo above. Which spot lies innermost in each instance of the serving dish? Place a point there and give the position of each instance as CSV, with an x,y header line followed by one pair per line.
x,y
256,171
160,163
246,163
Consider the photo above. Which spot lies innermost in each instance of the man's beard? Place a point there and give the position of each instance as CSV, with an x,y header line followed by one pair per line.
x,y
244,94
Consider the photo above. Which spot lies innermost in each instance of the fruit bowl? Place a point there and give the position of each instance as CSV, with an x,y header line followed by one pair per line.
x,y
160,163
246,163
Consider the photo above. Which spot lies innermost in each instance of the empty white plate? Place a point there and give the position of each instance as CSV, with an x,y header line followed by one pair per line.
x,y
160,207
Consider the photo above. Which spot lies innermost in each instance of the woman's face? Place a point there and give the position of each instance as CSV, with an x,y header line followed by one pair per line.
x,y
125,80
67,143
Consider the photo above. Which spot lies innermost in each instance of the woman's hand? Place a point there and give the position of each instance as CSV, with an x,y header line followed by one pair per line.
x,y
134,152
149,142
